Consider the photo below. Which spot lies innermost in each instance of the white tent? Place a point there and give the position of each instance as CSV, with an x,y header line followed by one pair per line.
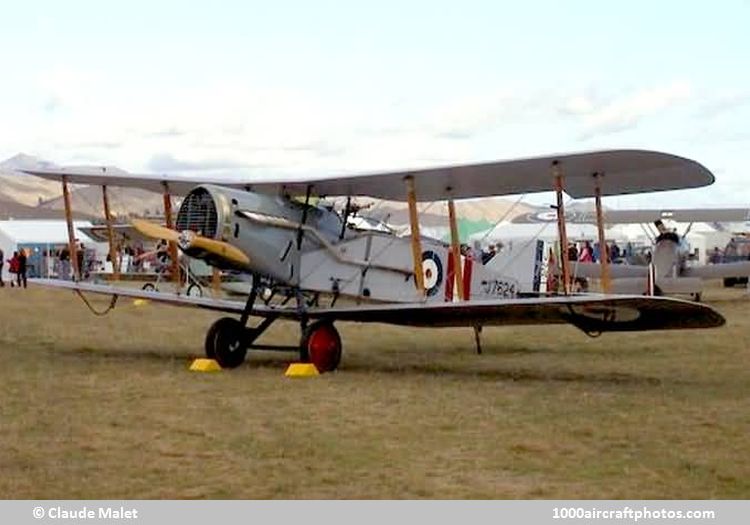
x,y
547,231
40,235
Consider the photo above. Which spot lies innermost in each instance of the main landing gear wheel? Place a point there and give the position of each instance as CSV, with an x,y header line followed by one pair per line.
x,y
225,342
321,345
148,287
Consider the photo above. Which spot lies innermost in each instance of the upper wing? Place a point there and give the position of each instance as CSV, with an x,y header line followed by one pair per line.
x,y
625,171
641,216
591,313
177,185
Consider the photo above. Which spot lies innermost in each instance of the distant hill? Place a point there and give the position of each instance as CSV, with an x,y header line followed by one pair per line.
x,y
123,202
13,210
21,194
22,188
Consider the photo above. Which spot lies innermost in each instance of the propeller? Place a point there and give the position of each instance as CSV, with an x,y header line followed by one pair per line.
x,y
155,231
189,240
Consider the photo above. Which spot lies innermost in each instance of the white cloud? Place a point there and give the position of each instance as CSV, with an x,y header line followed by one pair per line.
x,y
723,102
627,111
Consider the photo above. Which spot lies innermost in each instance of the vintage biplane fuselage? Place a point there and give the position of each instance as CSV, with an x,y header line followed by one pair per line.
x,y
308,247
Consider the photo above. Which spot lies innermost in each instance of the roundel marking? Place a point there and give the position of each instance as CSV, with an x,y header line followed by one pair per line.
x,y
433,272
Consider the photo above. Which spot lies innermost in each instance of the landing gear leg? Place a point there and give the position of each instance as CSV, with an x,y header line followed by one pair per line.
x,y
478,338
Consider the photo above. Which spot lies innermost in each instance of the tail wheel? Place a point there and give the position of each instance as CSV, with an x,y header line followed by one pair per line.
x,y
321,346
225,342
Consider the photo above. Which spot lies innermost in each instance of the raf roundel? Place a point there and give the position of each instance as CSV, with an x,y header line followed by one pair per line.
x,y
433,272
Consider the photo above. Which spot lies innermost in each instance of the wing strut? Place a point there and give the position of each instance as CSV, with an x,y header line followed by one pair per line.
x,y
216,282
172,244
72,248
113,255
416,243
603,251
456,250
561,230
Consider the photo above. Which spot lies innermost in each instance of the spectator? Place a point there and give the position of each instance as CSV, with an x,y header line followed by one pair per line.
x,y
587,253
13,268
614,251
22,266
2,263
65,263
572,252
80,256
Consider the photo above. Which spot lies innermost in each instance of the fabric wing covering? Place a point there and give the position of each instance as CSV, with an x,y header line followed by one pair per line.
x,y
591,313
624,171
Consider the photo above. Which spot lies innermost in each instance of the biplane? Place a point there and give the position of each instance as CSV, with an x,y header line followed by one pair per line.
x,y
669,271
308,266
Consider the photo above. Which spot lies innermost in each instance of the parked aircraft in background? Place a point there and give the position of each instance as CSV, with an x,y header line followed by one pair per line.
x,y
673,271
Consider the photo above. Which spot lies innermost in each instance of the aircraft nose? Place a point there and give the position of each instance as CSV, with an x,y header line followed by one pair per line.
x,y
185,240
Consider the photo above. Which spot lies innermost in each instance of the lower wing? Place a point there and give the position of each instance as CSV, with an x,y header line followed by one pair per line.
x,y
717,271
616,271
590,313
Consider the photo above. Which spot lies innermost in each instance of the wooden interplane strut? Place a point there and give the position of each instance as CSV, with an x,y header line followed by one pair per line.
x,y
557,175
416,243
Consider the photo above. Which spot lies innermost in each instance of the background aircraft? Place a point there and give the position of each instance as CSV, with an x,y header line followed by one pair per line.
x,y
303,258
675,272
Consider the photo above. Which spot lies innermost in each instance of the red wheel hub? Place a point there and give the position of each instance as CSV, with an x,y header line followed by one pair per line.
x,y
324,348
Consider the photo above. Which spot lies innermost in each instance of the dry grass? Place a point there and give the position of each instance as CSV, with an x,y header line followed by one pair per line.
x,y
105,408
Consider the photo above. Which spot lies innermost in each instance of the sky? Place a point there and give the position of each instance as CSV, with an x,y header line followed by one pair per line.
x,y
255,88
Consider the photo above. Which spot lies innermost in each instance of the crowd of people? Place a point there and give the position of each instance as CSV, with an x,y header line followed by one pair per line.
x,y
585,251
17,267
57,262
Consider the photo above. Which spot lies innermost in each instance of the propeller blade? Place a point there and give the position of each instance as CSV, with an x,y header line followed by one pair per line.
x,y
221,249
155,231
191,240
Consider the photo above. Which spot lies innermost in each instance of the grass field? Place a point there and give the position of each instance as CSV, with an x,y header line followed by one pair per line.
x,y
105,408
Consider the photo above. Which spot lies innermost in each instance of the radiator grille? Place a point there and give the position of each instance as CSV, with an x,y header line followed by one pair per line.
x,y
198,213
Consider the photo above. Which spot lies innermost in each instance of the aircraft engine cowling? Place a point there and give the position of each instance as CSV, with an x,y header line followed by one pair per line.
x,y
232,240
204,212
